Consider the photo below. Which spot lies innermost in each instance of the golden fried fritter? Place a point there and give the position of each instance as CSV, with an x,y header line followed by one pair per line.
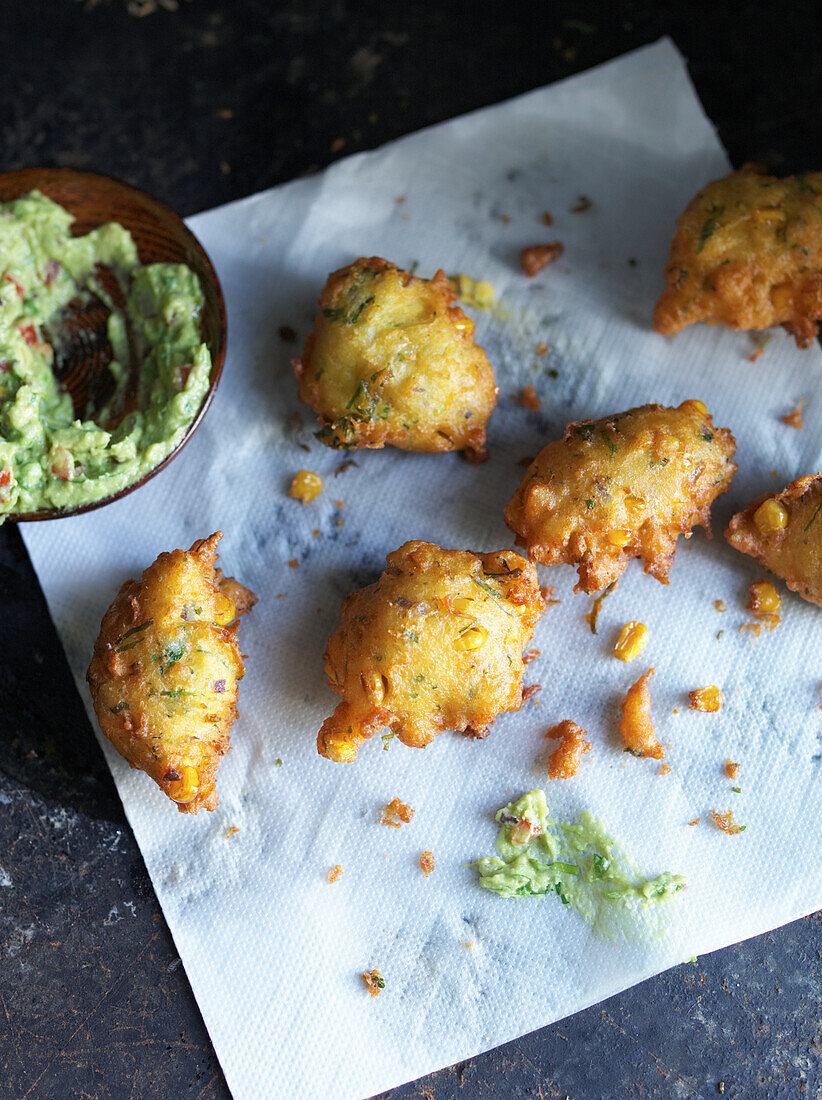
x,y
784,532
164,673
620,488
436,643
392,360
747,253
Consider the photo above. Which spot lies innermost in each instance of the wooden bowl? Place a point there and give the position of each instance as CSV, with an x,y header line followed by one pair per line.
x,y
161,237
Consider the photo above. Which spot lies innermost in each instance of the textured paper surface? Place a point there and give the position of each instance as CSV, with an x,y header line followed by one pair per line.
x,y
272,950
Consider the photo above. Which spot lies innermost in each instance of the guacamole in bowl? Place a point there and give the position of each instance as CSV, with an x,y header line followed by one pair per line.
x,y
138,397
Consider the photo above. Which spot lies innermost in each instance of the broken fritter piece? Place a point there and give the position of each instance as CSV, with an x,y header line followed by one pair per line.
x,y
636,725
564,761
620,488
436,643
747,253
783,531
392,360
165,669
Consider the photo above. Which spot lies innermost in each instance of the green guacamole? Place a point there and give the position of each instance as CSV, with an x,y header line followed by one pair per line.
x,y
49,459
579,864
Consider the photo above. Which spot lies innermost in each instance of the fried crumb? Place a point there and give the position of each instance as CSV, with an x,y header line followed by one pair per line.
x,y
293,563
731,769
468,943
726,822
224,113
505,218
375,982
546,218
337,144
565,759
719,605
765,603
542,348
315,533
794,419
695,821
343,466
339,503
530,656
529,399
665,769
756,628
335,872
708,699
427,862
287,334
529,692
636,726
548,595
538,256
760,341
281,595
582,204
399,200
396,813
234,829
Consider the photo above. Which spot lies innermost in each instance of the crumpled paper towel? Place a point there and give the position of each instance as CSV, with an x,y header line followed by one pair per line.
x,y
273,951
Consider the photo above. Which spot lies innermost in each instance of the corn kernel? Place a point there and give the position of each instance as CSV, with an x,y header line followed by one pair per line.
x,y
698,407
782,297
472,638
619,537
462,605
305,486
375,685
764,599
630,642
771,516
225,610
707,699
185,788
770,214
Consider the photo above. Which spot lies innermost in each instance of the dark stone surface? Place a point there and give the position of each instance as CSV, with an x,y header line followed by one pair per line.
x,y
202,105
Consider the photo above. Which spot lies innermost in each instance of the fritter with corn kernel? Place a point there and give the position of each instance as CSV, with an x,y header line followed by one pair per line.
x,y
783,531
620,488
164,673
392,360
436,643
747,253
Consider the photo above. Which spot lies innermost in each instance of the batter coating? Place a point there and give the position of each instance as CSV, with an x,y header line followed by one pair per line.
x,y
747,253
163,677
436,643
620,488
392,360
783,531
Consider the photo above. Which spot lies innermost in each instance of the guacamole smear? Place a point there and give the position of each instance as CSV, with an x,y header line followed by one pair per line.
x,y
578,864
50,458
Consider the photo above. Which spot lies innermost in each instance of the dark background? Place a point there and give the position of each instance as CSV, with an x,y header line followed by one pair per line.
x,y
202,104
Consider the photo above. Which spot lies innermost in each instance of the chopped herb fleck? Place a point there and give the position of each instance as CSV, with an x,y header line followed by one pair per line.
x,y
709,227
171,655
134,630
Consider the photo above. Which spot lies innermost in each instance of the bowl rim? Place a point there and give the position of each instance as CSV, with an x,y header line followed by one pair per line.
x,y
27,178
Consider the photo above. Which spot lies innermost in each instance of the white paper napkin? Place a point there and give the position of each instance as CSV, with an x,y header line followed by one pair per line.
x,y
274,953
